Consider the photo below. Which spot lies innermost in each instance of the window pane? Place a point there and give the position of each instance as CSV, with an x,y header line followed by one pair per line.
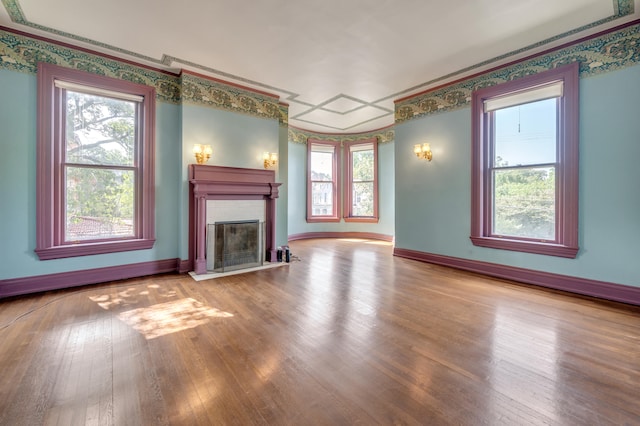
x,y
322,166
100,130
526,134
362,199
362,165
524,203
322,201
99,203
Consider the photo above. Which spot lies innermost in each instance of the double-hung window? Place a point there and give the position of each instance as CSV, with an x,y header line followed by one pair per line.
x,y
333,169
525,164
95,191
322,181
361,177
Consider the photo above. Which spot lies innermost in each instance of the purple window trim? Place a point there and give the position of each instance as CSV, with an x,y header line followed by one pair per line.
x,y
49,181
348,173
334,216
566,243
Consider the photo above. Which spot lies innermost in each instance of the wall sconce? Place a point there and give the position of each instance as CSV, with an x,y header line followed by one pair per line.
x,y
202,153
423,151
270,159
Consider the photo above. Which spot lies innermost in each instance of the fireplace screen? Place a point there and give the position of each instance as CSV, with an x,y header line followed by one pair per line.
x,y
236,245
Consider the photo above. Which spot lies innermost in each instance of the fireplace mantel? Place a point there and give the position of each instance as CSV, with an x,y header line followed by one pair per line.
x,y
227,183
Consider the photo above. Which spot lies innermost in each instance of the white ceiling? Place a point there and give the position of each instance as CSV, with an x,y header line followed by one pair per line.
x,y
339,64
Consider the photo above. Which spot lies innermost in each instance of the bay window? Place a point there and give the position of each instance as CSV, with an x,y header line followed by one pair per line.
x,y
356,186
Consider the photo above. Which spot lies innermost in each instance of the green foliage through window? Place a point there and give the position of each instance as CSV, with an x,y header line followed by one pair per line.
x,y
524,202
362,197
100,155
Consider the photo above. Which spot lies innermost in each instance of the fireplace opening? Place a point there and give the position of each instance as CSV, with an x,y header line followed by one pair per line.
x,y
236,245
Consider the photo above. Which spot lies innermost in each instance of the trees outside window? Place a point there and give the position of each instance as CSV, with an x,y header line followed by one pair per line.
x,y
525,164
322,181
361,179
99,167
358,182
95,157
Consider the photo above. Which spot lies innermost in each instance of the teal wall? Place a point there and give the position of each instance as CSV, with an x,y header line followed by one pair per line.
x,y
282,176
18,187
237,140
426,206
298,195
433,207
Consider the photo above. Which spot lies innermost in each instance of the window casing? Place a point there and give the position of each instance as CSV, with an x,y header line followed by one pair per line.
x,y
361,181
323,181
525,192
95,179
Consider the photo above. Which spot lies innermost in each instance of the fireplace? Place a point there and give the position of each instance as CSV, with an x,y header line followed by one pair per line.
x,y
212,190
234,245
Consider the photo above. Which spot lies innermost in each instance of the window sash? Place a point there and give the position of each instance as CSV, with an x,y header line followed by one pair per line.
x,y
51,189
493,170
566,176
316,211
534,208
353,209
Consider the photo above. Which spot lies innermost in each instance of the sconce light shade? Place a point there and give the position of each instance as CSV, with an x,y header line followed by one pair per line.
x,y
423,151
202,153
270,159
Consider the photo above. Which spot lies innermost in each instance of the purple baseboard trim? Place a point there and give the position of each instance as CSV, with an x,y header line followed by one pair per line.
x,y
19,286
587,287
185,266
363,235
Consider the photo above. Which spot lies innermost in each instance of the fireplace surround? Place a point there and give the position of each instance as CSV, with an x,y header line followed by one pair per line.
x,y
227,183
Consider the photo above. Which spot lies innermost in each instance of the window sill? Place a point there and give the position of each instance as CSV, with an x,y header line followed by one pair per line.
x,y
87,249
361,219
323,219
548,249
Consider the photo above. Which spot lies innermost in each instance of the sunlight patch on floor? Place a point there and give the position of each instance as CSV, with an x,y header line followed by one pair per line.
x,y
170,317
366,241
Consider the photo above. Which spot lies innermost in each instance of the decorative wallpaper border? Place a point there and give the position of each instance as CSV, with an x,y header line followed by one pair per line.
x,y
284,114
17,15
615,50
202,91
300,136
22,53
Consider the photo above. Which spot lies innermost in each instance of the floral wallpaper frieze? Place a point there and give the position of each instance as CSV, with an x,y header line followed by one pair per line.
x,y
608,52
301,136
202,91
21,53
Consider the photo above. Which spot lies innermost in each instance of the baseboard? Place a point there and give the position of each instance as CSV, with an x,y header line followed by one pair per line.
x,y
583,286
18,286
185,266
363,235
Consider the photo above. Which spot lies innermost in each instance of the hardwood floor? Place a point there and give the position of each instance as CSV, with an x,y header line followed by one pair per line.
x,y
347,335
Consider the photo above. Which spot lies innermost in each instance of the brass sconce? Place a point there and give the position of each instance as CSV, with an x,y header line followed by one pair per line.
x,y
423,151
202,153
270,159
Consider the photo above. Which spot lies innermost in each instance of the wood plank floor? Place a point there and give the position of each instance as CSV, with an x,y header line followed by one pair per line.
x,y
347,335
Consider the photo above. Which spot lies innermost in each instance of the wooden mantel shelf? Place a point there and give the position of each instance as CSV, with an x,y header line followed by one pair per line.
x,y
227,183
